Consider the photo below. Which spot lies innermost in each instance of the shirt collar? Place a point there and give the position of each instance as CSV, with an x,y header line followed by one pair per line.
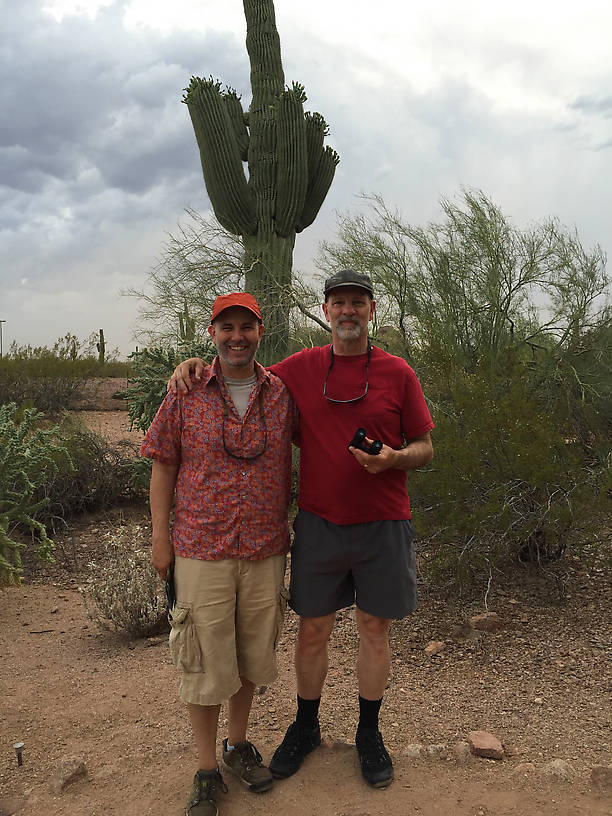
x,y
214,372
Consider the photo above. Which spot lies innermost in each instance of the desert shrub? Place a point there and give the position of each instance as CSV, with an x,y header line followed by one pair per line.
x,y
29,457
50,379
151,370
100,478
123,592
507,485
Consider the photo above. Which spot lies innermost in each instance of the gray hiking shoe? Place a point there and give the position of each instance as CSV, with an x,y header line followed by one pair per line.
x,y
246,763
203,801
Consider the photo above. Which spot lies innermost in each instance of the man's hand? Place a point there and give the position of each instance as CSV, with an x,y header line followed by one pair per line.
x,y
375,464
181,379
417,453
163,553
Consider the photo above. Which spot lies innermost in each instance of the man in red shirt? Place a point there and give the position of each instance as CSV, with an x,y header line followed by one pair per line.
x,y
225,451
353,535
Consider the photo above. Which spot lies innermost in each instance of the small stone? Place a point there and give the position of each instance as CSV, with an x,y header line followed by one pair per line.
x,y
523,769
414,751
485,745
461,753
487,622
601,777
436,750
558,768
71,770
433,647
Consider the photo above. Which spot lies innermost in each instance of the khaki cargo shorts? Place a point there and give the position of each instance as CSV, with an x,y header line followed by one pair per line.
x,y
226,625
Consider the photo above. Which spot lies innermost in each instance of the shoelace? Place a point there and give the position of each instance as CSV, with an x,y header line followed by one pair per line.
x,y
207,788
249,755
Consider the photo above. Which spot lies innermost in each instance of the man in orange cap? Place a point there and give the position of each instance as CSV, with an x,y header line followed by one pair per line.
x,y
224,450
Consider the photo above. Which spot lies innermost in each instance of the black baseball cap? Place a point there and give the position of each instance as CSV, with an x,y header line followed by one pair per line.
x,y
348,277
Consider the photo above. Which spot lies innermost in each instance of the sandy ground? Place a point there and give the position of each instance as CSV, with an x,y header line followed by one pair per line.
x,y
541,684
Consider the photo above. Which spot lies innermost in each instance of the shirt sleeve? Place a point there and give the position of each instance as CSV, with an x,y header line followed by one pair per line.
x,y
162,441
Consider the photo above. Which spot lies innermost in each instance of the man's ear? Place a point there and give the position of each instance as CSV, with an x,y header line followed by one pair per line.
x,y
211,331
325,312
261,329
372,308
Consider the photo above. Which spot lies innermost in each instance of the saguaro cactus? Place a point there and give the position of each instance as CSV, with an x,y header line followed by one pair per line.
x,y
290,169
101,347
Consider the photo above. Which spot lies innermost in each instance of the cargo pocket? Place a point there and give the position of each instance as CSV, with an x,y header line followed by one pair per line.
x,y
283,597
184,644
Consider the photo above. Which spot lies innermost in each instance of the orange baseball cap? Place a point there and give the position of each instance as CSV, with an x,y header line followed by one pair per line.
x,y
242,299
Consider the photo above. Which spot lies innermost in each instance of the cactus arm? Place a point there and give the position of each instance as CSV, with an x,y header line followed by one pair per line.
x,y
292,168
318,187
236,115
224,177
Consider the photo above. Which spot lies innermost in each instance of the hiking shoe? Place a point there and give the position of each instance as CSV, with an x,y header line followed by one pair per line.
x,y
376,765
203,800
290,753
246,763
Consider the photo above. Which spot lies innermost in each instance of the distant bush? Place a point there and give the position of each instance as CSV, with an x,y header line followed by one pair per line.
x,y
123,592
49,378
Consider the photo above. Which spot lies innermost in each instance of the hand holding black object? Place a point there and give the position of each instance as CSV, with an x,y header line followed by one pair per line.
x,y
359,441
169,587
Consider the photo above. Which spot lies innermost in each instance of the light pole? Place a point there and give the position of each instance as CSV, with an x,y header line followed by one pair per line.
x,y
1,322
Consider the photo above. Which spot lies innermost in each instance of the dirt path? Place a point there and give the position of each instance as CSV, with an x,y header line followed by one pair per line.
x,y
67,689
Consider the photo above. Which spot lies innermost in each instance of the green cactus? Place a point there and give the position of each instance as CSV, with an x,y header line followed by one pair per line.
x,y
101,347
290,169
187,325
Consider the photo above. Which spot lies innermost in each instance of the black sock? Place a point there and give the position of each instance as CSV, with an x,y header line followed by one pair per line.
x,y
307,712
368,713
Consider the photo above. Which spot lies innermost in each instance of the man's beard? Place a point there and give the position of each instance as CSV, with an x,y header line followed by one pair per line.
x,y
349,330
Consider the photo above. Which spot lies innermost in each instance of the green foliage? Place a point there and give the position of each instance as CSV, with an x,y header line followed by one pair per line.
x,y
510,332
29,456
101,476
152,368
123,592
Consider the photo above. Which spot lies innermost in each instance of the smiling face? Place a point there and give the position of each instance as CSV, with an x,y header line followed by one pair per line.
x,y
348,310
236,334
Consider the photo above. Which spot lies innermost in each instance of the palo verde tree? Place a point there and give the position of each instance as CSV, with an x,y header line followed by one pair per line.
x,y
289,168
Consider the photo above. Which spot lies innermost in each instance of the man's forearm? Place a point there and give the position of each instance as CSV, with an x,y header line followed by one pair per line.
x,y
161,491
417,453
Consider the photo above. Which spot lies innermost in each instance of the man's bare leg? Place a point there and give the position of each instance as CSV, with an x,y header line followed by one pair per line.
x,y
373,665
204,720
311,660
374,657
311,663
239,708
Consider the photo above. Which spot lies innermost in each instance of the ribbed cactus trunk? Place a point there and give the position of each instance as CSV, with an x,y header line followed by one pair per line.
x,y
290,170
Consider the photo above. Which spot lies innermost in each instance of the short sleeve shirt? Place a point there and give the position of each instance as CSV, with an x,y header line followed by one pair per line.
x,y
227,506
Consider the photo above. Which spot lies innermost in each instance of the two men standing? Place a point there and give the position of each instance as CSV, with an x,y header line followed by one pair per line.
x,y
353,536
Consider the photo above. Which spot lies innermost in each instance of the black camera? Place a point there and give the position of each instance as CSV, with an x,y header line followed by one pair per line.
x,y
358,441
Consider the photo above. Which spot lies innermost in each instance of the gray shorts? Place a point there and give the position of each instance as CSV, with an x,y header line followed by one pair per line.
x,y
370,564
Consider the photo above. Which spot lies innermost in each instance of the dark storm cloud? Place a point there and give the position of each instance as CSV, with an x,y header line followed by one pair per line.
x,y
85,94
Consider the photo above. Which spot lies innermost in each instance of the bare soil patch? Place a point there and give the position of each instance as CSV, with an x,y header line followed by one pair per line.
x,y
539,684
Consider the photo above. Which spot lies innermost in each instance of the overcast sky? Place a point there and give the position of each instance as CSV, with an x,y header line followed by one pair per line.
x,y
98,159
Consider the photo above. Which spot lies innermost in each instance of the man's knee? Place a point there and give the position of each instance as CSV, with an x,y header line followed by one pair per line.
x,y
315,632
371,628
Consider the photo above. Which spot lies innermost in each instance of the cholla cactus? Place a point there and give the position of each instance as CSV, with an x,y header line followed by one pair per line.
x,y
290,169
187,326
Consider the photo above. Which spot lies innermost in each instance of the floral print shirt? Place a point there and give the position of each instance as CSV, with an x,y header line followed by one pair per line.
x,y
234,477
